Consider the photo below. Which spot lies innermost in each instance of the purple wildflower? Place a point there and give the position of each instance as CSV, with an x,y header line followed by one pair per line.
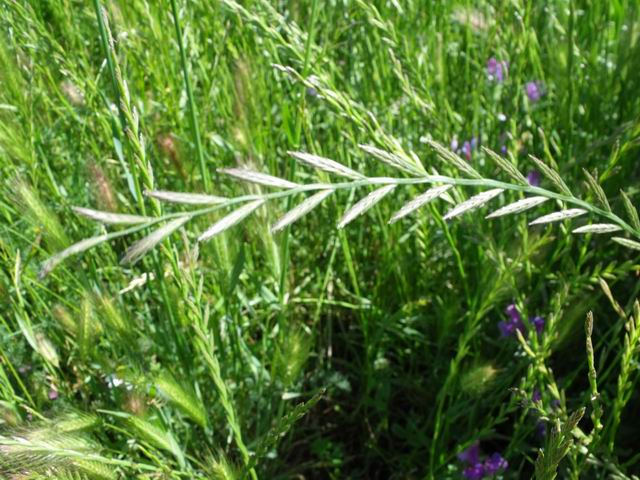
x,y
534,91
494,464
536,396
497,69
508,328
471,455
538,323
541,429
53,394
533,177
466,149
454,144
474,472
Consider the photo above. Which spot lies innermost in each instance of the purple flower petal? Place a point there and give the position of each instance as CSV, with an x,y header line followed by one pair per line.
x,y
474,472
533,177
466,149
454,144
53,394
471,455
494,464
513,312
497,70
536,396
506,328
541,429
538,323
534,91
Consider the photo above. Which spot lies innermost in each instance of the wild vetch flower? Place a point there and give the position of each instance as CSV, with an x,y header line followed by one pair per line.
x,y
474,472
508,328
471,455
538,323
477,469
467,147
534,91
494,464
497,69
53,394
533,177
536,396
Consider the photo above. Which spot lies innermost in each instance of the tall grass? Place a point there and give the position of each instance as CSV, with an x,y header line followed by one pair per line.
x,y
310,240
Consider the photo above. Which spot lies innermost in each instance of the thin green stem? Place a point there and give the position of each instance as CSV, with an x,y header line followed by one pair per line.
x,y
193,114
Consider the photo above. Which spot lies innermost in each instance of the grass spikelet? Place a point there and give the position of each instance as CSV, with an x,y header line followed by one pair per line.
x,y
184,198
506,166
472,203
453,159
625,242
553,176
230,220
597,190
40,215
183,398
517,207
558,446
392,159
257,177
598,228
419,201
632,212
139,249
326,165
74,249
365,204
110,218
558,216
156,436
300,210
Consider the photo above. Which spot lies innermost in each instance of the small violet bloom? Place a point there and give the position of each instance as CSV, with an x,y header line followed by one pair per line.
x,y
534,91
474,472
533,177
541,429
494,464
538,323
471,455
497,69
467,147
508,328
53,394
536,396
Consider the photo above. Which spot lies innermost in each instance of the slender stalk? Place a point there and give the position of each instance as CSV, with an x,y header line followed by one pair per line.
x,y
193,114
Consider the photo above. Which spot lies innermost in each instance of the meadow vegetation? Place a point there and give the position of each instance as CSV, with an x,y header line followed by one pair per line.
x,y
319,239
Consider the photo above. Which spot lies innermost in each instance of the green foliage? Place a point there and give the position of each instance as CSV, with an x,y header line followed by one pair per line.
x,y
215,147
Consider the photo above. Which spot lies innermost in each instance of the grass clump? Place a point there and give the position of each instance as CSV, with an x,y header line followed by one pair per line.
x,y
282,240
